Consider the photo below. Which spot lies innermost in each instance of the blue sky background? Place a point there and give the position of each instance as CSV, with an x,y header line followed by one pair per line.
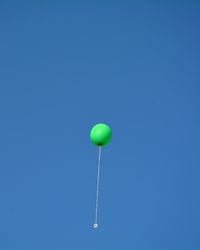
x,y
67,65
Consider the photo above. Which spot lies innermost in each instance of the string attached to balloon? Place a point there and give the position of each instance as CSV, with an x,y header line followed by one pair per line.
x,y
100,135
97,191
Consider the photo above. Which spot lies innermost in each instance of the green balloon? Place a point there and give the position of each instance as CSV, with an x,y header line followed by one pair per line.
x,y
101,134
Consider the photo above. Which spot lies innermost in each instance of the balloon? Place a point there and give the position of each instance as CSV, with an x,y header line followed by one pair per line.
x,y
101,134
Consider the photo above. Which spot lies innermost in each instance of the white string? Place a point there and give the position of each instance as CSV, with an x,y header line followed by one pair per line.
x,y
97,193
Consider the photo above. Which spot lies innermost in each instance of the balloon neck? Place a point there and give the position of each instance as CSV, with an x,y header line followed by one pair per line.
x,y
100,144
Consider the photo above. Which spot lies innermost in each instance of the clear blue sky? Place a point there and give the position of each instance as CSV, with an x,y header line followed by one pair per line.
x,y
67,65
